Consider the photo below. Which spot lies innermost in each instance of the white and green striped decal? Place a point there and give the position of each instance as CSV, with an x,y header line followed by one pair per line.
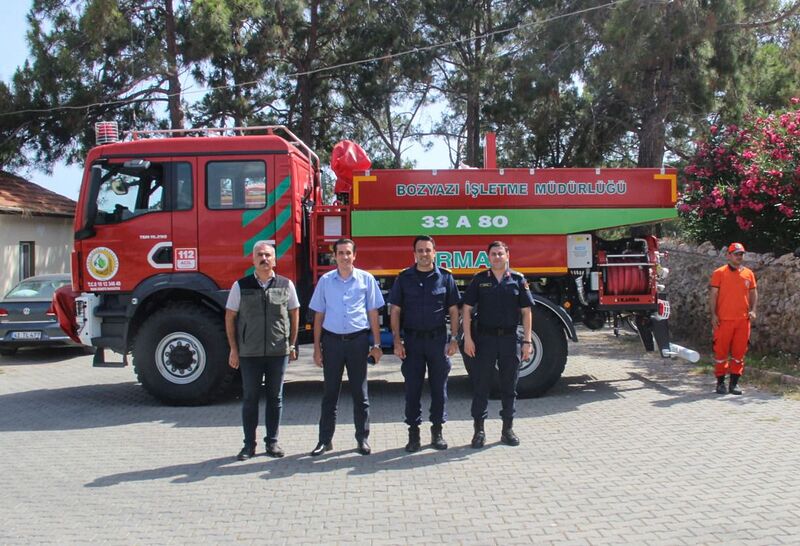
x,y
390,223
270,230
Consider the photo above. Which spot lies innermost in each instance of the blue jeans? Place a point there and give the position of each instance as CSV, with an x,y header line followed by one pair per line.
x,y
270,370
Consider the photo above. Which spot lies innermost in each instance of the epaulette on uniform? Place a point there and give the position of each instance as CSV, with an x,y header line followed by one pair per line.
x,y
519,277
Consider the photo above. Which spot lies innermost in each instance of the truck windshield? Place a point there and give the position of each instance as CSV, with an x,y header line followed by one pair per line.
x,y
126,192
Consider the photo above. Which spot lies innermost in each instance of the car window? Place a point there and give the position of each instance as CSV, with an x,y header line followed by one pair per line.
x,y
36,288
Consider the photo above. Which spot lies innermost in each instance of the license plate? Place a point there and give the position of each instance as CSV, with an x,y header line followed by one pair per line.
x,y
26,335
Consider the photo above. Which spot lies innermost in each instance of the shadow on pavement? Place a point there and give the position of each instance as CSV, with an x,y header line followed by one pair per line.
x,y
292,465
702,389
387,399
33,356
117,404
122,403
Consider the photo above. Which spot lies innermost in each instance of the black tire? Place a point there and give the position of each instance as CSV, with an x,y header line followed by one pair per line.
x,y
180,355
8,351
538,374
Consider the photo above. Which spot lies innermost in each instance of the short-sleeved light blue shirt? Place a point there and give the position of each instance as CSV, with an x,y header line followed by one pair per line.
x,y
345,302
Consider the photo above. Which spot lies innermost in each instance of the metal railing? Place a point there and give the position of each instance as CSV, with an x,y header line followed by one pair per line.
x,y
293,139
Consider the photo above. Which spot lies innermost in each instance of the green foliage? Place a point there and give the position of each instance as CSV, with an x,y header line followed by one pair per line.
x,y
743,183
614,85
661,65
308,30
382,98
544,113
91,60
469,65
774,76
235,39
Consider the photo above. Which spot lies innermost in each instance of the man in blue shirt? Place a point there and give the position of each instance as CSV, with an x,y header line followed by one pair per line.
x,y
503,301
422,298
346,303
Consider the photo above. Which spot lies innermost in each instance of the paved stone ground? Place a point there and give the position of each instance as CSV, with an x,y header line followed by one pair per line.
x,y
627,449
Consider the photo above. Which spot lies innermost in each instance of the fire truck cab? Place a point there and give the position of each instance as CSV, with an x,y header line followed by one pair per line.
x,y
165,226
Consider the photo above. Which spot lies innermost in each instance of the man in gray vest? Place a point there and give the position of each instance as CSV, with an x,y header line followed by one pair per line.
x,y
261,321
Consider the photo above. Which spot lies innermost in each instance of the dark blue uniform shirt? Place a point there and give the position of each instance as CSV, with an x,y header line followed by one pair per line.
x,y
498,303
424,297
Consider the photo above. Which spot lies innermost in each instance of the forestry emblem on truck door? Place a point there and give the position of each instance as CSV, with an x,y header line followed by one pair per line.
x,y
102,263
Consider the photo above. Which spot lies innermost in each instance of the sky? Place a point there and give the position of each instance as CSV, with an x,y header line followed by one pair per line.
x,y
66,179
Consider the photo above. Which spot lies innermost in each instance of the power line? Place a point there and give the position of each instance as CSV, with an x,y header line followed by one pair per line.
x,y
318,70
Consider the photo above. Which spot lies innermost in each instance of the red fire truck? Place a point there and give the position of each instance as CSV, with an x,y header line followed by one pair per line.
x,y
166,222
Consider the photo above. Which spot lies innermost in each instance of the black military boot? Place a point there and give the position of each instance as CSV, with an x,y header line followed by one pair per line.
x,y
413,439
734,381
721,385
437,440
479,438
508,437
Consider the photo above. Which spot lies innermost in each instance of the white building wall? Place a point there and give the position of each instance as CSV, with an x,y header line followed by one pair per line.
x,y
53,244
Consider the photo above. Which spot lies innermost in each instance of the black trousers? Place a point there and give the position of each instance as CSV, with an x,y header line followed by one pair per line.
x,y
339,354
270,370
504,351
422,352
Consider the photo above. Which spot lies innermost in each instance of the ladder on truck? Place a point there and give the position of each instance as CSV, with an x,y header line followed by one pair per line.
x,y
329,223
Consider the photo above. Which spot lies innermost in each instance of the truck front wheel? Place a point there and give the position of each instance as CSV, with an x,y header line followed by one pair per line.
x,y
180,355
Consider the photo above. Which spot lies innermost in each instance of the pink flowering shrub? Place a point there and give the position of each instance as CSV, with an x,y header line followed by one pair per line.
x,y
743,184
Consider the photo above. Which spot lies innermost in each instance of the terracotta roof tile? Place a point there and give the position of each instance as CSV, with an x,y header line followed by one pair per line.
x,y
19,196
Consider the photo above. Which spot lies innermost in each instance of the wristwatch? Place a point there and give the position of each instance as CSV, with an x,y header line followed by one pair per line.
x,y
292,348
375,347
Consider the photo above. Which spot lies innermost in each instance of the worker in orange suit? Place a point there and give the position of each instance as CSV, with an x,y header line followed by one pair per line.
x,y
732,302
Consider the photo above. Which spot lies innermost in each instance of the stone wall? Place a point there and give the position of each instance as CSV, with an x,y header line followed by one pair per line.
x,y
777,326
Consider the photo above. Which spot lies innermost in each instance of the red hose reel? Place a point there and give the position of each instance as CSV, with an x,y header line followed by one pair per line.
x,y
625,280
628,278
